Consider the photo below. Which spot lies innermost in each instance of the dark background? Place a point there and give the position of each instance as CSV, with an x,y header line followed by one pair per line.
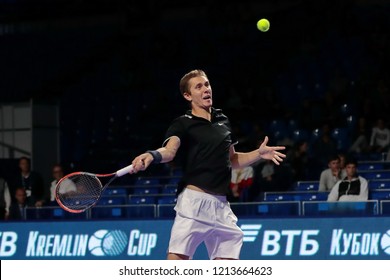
x,y
114,66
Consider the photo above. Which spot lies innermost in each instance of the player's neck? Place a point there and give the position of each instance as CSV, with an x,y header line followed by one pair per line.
x,y
204,113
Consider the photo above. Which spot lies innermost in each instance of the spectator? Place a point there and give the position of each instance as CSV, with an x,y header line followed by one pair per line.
x,y
352,188
5,199
362,136
31,181
342,158
17,208
330,176
241,180
58,173
380,137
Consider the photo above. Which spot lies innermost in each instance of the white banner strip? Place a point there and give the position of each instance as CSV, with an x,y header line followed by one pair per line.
x,y
202,269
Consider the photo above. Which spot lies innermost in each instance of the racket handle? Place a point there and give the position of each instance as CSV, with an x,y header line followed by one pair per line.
x,y
124,170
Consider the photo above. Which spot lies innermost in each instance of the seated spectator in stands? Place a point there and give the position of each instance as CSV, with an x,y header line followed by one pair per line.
x,y
342,158
5,199
330,176
31,181
241,180
58,173
380,137
361,137
352,188
17,208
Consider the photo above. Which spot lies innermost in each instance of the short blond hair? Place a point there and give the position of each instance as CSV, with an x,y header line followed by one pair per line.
x,y
192,74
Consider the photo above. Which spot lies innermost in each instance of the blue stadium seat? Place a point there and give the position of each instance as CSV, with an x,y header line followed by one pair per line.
x,y
142,199
307,186
169,189
295,196
379,194
278,197
112,200
364,166
115,190
340,135
174,180
148,189
167,199
147,181
375,174
379,184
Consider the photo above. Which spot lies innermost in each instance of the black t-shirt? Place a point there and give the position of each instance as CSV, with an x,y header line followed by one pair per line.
x,y
204,150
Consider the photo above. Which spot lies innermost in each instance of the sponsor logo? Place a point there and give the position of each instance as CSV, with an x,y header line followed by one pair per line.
x,y
101,243
107,243
250,232
8,243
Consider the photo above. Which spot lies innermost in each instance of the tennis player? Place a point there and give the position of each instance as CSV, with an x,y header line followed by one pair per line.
x,y
204,137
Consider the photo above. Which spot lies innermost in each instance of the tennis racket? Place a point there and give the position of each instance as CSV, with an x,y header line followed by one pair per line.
x,y
79,191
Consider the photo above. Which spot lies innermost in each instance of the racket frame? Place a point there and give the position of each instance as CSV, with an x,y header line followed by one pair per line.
x,y
126,170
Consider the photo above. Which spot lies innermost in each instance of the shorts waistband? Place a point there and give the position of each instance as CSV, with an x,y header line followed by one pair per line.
x,y
205,195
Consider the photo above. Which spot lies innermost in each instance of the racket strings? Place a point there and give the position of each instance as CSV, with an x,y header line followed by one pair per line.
x,y
79,192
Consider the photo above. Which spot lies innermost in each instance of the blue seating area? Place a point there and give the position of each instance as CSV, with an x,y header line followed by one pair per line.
x,y
295,196
155,196
307,186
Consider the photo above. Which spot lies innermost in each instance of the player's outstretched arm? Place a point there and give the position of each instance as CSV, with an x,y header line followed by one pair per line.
x,y
271,152
161,155
240,160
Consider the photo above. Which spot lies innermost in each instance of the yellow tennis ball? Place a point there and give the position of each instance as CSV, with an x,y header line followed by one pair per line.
x,y
263,25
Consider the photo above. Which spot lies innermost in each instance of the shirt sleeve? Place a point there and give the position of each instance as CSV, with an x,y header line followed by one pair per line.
x,y
232,135
175,129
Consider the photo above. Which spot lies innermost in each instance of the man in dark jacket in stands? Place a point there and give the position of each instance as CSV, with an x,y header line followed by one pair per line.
x,y
351,188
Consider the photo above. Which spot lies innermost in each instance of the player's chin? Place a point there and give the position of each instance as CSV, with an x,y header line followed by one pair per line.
x,y
208,102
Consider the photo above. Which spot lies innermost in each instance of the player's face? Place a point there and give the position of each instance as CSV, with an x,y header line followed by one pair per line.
x,y
200,93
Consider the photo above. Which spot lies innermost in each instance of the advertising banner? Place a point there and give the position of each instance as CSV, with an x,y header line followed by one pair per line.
x,y
272,239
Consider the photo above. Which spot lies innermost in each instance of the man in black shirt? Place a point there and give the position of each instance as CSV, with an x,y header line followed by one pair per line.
x,y
207,146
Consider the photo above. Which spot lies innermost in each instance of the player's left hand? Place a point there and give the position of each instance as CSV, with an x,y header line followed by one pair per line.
x,y
271,153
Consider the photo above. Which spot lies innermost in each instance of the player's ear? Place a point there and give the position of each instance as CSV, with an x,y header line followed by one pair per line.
x,y
187,96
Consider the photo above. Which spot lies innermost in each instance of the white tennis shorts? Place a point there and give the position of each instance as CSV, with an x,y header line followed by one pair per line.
x,y
202,217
